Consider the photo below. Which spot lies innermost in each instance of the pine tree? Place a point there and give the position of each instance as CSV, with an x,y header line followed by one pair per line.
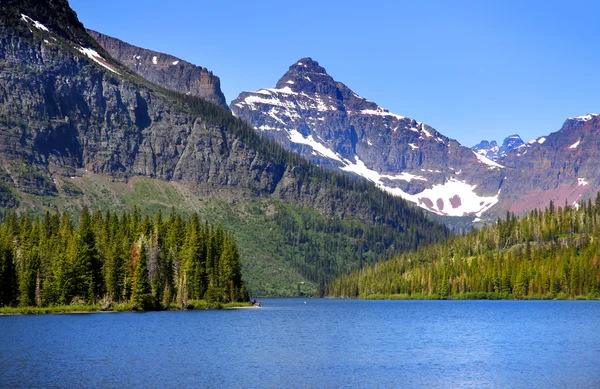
x,y
89,283
141,294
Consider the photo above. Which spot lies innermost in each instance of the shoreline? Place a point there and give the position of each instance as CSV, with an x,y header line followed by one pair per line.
x,y
66,310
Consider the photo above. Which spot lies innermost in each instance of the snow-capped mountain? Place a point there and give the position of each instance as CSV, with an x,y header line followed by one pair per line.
x,y
322,119
494,152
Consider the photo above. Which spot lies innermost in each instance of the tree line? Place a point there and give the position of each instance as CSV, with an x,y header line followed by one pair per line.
x,y
128,258
551,253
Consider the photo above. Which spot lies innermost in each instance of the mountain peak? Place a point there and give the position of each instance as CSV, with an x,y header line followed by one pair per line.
x,y
307,64
306,75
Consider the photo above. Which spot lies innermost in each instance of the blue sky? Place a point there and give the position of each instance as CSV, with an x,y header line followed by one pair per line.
x,y
471,69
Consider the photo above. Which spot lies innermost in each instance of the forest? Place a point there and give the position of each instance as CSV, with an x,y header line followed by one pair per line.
x,y
547,254
106,258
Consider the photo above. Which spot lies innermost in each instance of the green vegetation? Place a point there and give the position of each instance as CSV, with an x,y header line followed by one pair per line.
x,y
551,254
285,249
109,261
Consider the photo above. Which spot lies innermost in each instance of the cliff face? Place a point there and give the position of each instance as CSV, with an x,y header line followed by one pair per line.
x,y
165,70
65,107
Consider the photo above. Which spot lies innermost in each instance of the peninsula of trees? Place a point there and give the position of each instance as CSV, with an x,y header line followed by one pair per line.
x,y
547,254
148,263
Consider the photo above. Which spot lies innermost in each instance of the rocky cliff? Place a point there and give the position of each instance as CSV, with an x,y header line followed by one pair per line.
x,y
165,70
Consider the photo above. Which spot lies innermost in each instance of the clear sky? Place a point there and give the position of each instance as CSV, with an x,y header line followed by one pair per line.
x,y
473,70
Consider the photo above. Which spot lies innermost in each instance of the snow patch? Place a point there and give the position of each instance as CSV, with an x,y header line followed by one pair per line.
x,y
93,55
453,198
359,167
155,60
427,133
297,137
487,161
541,140
266,127
36,24
584,118
582,182
380,112
290,82
413,146
174,62
574,145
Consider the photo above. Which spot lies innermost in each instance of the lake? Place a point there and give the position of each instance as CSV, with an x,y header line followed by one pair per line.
x,y
312,343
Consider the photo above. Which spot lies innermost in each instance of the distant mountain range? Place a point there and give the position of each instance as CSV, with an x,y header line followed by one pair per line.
x,y
492,151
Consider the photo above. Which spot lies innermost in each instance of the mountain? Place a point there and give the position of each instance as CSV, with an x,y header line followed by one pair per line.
x,y
165,70
491,150
322,119
563,167
487,149
77,127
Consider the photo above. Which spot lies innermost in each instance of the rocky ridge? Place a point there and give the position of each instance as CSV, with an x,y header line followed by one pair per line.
x,y
165,70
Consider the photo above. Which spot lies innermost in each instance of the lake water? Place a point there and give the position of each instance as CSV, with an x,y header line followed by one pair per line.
x,y
318,344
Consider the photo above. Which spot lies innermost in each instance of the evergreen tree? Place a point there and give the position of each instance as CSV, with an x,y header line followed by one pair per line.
x,y
141,294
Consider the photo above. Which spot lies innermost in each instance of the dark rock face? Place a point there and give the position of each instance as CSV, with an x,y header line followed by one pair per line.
x,y
63,110
322,119
164,70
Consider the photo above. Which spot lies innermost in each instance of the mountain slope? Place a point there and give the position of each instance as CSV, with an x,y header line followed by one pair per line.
x,y
563,167
75,123
165,70
322,119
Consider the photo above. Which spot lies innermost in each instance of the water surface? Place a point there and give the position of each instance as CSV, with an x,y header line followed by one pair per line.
x,y
318,344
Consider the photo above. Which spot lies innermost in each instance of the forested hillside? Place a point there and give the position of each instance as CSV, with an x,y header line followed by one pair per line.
x,y
553,253
150,263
